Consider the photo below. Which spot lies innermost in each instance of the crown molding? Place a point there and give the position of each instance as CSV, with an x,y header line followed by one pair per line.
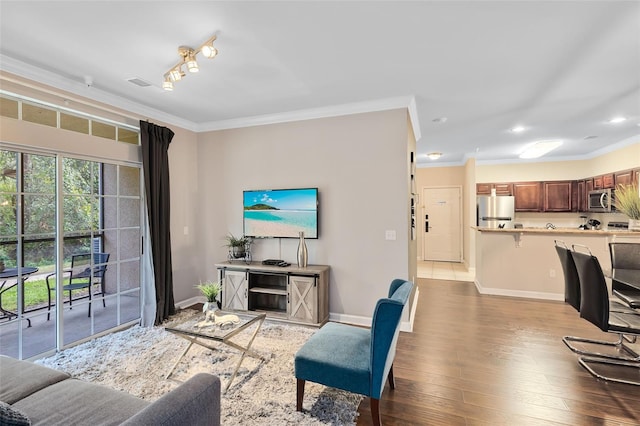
x,y
400,102
39,75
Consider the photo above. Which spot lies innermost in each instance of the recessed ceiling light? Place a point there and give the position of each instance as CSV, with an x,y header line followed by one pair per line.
x,y
440,120
434,155
616,120
590,137
518,129
540,148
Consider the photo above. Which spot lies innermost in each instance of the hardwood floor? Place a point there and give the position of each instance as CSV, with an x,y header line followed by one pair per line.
x,y
488,360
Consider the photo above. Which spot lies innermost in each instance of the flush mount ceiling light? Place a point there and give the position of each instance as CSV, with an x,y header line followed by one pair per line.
x,y
434,155
518,129
616,120
188,55
540,148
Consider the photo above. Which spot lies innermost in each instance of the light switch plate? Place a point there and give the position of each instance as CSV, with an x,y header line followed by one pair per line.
x,y
390,235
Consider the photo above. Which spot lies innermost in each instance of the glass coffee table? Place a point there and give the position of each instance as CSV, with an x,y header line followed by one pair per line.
x,y
204,334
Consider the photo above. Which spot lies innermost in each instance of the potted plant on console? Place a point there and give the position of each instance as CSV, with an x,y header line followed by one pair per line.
x,y
237,246
627,201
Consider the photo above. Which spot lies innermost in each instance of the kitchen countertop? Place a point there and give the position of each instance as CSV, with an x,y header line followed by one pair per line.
x,y
585,232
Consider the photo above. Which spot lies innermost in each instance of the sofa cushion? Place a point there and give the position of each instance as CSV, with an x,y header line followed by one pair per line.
x,y
10,416
195,403
22,378
76,402
337,355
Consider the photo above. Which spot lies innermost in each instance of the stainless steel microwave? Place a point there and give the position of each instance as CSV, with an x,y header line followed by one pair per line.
x,y
600,201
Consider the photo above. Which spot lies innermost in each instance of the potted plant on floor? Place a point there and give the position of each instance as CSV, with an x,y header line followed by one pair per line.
x,y
627,201
210,290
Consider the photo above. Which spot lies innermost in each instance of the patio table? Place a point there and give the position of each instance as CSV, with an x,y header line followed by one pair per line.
x,y
20,275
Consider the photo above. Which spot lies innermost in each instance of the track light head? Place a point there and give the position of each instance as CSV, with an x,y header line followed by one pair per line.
x,y
188,56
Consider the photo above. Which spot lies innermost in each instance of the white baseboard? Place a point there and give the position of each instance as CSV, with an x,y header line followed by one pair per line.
x,y
191,301
365,321
343,318
518,293
412,316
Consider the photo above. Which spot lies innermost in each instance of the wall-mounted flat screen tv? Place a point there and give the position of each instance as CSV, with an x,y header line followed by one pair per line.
x,y
281,213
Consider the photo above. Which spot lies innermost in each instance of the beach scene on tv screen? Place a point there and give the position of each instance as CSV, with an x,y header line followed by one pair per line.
x,y
281,213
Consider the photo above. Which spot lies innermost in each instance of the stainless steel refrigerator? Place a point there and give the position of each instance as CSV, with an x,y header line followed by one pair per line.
x,y
496,211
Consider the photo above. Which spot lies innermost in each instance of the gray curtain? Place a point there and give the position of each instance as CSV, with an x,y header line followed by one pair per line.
x,y
155,163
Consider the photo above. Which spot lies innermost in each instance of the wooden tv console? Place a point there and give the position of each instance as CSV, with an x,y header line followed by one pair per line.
x,y
288,293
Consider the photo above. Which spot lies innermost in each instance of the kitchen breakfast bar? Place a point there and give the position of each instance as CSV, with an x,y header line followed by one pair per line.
x,y
523,262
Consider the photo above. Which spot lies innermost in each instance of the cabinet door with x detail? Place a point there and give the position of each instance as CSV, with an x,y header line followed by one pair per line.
x,y
303,298
234,290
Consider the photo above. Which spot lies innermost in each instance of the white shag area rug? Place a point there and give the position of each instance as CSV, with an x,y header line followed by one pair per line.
x,y
136,361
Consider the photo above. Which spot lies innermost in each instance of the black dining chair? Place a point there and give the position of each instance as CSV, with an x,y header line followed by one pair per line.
x,y
87,269
594,307
625,257
572,296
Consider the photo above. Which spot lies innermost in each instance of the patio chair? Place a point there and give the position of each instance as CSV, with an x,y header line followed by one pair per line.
x,y
83,274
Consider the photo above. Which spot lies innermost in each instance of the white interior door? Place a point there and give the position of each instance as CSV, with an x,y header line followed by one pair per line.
x,y
441,224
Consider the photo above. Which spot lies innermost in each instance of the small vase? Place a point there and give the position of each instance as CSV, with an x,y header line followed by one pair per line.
x,y
634,225
303,254
209,309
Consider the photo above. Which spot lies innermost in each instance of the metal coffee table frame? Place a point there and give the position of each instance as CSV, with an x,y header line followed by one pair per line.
x,y
193,334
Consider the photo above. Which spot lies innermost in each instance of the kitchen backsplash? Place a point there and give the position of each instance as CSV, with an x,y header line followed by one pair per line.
x,y
566,220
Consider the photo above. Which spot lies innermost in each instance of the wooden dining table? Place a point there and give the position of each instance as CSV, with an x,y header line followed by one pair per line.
x,y
9,278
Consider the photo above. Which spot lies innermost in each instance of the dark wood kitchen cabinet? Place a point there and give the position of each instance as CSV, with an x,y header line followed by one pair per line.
x,y
581,196
483,188
588,186
559,196
608,181
501,188
528,196
627,177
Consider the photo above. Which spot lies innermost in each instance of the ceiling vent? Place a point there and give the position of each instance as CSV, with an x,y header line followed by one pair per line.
x,y
139,82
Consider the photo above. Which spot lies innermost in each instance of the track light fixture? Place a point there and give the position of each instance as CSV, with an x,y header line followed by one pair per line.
x,y
188,55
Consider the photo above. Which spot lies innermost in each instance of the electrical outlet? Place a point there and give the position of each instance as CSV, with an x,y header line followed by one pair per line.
x,y
552,273
390,235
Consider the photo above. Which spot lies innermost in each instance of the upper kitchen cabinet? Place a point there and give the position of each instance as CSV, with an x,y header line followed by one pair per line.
x,y
604,182
597,182
581,196
608,181
560,196
501,188
627,177
483,188
528,196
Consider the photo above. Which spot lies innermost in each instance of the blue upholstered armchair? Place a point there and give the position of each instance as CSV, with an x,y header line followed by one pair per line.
x,y
352,358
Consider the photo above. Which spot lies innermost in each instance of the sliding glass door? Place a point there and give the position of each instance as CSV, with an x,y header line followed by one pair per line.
x,y
89,213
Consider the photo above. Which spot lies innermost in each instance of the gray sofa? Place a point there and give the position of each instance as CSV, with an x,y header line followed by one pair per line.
x,y
50,397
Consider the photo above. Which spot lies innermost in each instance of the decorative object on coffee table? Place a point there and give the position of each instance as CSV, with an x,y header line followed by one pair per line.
x,y
303,253
210,290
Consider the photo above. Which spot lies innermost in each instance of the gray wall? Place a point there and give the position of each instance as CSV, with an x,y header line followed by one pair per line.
x,y
358,162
